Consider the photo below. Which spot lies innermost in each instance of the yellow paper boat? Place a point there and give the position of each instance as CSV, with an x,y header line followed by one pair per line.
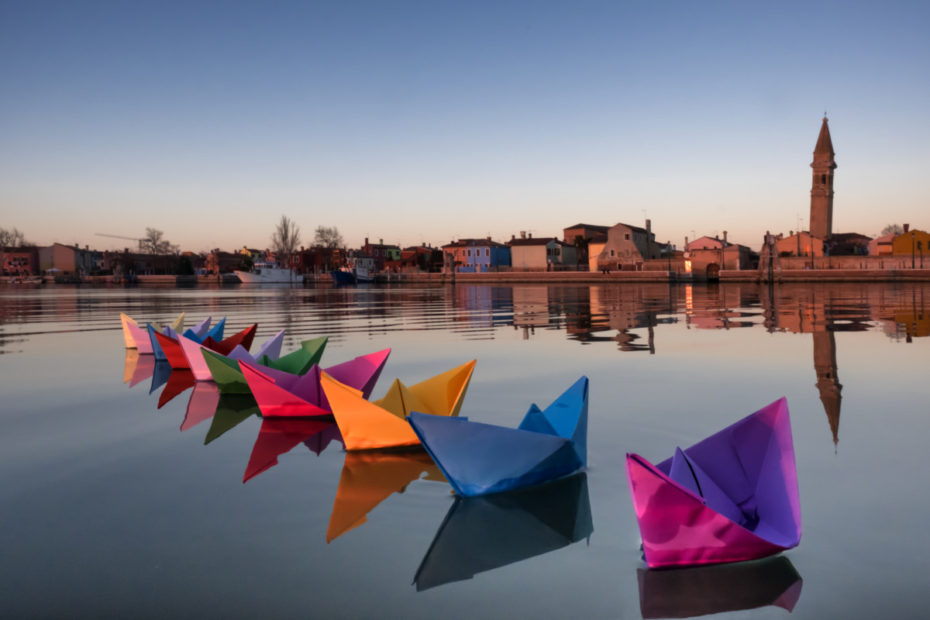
x,y
137,337
382,423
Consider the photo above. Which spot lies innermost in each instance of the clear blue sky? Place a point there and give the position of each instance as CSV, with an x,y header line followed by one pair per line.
x,y
427,121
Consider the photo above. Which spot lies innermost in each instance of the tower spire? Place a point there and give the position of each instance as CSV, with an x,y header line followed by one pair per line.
x,y
821,220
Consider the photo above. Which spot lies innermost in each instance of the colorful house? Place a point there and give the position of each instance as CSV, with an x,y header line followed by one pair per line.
x,y
628,248
541,254
589,240
478,255
912,242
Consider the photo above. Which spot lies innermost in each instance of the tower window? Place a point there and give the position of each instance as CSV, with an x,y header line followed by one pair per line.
x,y
823,179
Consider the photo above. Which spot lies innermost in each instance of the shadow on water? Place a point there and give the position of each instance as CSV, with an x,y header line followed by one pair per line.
x,y
483,533
688,592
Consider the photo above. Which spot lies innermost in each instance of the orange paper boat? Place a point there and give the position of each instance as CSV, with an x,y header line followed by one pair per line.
x,y
382,423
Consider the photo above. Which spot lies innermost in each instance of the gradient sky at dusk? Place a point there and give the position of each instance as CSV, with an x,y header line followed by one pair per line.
x,y
427,121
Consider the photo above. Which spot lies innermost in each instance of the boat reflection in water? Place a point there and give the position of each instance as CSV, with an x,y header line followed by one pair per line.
x,y
137,368
160,375
368,478
487,532
688,592
280,435
202,404
231,411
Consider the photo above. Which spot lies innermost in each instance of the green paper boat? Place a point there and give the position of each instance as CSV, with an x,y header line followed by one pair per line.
x,y
229,379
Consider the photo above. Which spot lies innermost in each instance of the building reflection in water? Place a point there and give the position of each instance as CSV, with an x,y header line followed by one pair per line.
x,y
629,316
827,380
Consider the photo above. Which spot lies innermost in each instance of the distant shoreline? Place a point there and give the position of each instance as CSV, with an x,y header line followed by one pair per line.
x,y
543,277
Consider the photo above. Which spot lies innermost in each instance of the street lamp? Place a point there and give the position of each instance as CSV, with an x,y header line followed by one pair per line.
x,y
912,250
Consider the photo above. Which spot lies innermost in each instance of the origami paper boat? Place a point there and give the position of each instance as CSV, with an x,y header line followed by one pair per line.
x,y
138,337
368,478
228,376
280,435
226,346
730,497
380,424
280,394
168,346
703,590
481,458
483,533
193,354
202,330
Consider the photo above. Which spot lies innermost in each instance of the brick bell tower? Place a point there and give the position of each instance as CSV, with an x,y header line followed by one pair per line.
x,y
821,222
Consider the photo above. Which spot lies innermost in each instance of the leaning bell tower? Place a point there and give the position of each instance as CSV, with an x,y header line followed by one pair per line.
x,y
821,222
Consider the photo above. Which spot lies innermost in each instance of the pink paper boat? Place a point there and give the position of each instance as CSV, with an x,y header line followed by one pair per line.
x,y
138,337
731,497
271,347
280,394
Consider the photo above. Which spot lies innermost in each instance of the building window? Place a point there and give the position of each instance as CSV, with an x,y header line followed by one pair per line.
x,y
823,179
611,252
627,236
487,251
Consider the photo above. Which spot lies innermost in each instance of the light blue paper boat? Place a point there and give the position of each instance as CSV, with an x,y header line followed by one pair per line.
x,y
479,458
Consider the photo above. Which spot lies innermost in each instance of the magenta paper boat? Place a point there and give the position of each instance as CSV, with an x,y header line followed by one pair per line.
x,y
731,497
271,348
281,394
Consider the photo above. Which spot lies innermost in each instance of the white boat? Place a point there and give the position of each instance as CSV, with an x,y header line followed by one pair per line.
x,y
268,273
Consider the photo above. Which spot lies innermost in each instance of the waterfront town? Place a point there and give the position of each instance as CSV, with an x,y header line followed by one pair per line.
x,y
615,251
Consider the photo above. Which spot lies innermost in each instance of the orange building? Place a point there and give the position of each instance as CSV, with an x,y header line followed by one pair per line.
x,y
914,243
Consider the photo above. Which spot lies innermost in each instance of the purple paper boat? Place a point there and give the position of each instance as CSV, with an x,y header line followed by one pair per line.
x,y
731,497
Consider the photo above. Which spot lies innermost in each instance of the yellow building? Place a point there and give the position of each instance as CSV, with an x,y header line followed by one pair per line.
x,y
913,243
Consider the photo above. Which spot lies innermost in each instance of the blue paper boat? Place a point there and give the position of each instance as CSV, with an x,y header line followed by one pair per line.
x,y
479,458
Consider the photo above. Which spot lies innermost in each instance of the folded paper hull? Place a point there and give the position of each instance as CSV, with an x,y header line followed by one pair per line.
x,y
127,322
228,376
381,424
736,500
195,359
140,336
280,394
172,351
479,458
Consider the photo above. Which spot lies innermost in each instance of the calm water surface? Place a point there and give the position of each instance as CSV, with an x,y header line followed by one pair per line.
x,y
122,493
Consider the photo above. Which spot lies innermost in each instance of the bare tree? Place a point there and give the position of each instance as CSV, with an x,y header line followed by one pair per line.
x,y
327,237
285,239
153,243
891,228
11,238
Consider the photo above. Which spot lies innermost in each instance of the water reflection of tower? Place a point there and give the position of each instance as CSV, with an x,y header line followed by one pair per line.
x,y
827,382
